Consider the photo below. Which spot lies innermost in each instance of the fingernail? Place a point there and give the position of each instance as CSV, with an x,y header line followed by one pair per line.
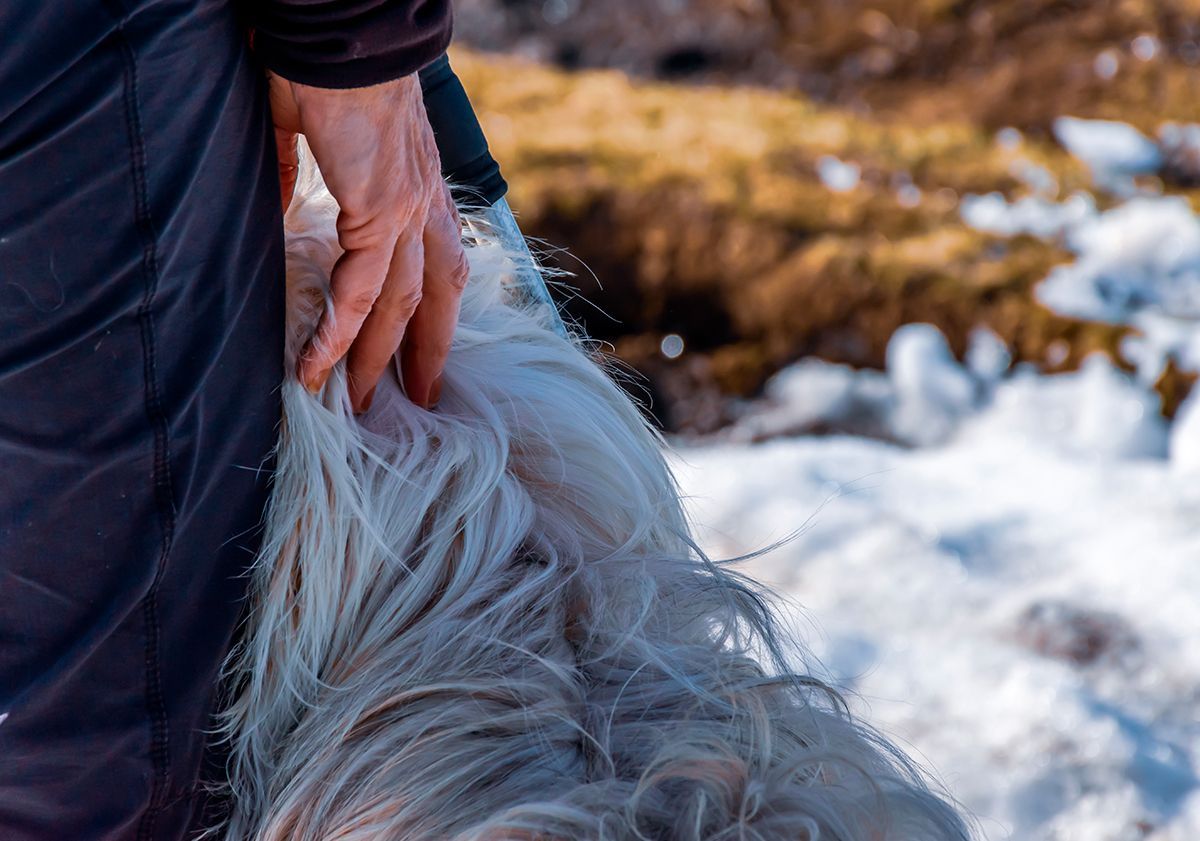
x,y
316,382
435,392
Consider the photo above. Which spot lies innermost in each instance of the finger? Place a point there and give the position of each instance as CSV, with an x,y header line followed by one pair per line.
x,y
431,330
289,164
384,328
355,284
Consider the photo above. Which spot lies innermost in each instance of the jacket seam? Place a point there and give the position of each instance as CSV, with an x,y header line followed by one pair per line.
x,y
163,490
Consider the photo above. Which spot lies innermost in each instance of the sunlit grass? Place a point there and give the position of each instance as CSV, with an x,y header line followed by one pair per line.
x,y
701,211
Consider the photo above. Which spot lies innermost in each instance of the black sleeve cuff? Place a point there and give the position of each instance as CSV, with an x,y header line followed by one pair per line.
x,y
349,43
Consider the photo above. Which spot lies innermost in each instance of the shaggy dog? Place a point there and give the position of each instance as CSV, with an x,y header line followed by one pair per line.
x,y
489,621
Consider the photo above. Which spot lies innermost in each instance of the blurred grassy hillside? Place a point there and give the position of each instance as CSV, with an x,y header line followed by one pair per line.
x,y
762,223
991,62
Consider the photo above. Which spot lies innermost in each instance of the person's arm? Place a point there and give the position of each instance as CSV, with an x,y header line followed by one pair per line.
x,y
349,43
344,76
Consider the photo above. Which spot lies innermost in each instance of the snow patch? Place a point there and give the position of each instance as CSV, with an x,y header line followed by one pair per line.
x,y
1018,604
1185,435
1142,255
932,391
838,175
1113,151
1034,215
1137,264
988,357
918,401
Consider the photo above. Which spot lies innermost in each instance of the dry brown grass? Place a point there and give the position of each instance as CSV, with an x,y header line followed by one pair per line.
x,y
1001,62
700,211
990,62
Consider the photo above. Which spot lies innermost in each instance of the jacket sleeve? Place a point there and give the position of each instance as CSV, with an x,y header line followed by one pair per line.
x,y
349,43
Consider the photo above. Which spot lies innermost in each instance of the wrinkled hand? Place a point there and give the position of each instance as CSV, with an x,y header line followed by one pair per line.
x,y
401,277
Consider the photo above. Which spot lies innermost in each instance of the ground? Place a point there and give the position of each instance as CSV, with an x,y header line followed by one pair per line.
x,y
999,563
904,317
761,226
1019,614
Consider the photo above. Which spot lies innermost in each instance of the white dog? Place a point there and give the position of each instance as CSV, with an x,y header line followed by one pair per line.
x,y
488,621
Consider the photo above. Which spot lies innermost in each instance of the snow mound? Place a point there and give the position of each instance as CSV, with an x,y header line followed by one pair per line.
x,y
1113,151
919,401
1033,215
988,357
933,392
927,398
818,397
1096,412
1142,255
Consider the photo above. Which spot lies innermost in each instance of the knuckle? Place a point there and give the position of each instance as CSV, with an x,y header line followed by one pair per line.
x,y
357,209
407,301
430,157
460,272
359,303
370,235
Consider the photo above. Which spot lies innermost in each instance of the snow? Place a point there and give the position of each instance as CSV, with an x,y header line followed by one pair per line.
x,y
919,400
1112,150
988,358
931,579
1035,176
1179,142
1141,255
1113,417
838,175
1185,437
925,395
931,390
1137,264
1107,64
1034,215
1146,47
1002,567
1010,138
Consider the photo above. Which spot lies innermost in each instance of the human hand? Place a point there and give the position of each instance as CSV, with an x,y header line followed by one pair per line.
x,y
400,280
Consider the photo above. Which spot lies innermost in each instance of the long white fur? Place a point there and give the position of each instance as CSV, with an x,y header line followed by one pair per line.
x,y
489,621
